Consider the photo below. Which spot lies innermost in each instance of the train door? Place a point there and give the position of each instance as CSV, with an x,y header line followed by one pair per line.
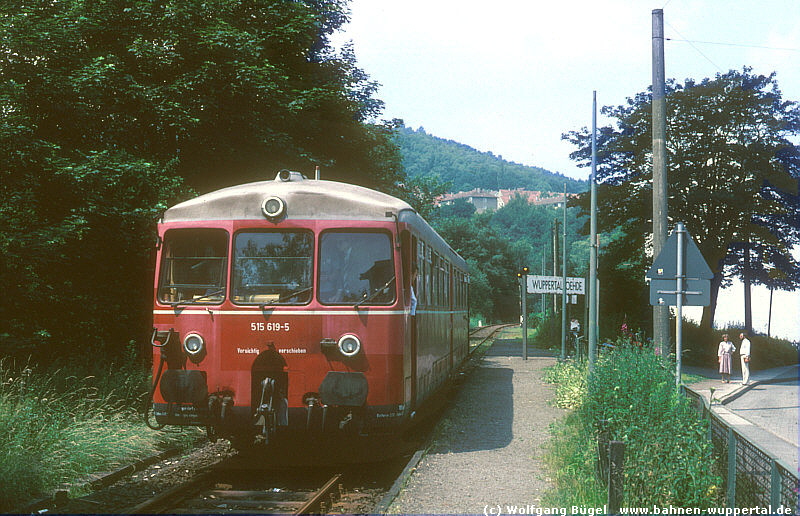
x,y
451,309
409,263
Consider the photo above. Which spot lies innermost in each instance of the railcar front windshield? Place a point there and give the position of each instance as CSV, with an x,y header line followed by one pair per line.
x,y
356,268
273,267
193,265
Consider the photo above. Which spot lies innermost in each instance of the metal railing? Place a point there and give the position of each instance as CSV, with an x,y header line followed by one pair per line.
x,y
752,477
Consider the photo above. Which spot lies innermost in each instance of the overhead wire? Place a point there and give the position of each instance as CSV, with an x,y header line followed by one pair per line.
x,y
693,46
742,45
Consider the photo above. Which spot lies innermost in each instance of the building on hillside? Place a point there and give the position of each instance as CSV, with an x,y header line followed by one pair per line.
x,y
482,199
495,199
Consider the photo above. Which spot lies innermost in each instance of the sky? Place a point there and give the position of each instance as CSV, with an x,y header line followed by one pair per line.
x,y
511,76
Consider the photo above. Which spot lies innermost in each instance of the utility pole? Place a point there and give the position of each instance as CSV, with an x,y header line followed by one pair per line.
x,y
544,313
660,313
555,262
592,319
564,285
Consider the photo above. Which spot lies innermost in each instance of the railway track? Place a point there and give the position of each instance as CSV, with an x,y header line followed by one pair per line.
x,y
222,488
225,491
478,336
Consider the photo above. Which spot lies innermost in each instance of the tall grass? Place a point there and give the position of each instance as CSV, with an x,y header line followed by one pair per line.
x,y
58,426
631,394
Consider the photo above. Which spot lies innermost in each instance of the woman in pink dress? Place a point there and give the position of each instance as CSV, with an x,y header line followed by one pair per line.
x,y
724,352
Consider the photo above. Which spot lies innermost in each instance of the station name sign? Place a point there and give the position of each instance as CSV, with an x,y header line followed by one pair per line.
x,y
555,285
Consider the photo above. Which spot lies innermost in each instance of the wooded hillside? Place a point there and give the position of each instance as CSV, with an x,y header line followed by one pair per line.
x,y
466,168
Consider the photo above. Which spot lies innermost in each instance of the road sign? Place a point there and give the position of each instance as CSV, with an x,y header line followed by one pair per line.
x,y
695,292
696,274
666,264
555,285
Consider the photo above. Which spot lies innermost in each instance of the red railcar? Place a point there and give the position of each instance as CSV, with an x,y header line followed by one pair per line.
x,y
285,305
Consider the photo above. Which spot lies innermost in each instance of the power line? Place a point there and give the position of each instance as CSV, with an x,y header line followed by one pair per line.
x,y
694,47
742,45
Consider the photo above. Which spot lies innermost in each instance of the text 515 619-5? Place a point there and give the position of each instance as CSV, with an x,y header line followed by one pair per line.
x,y
269,326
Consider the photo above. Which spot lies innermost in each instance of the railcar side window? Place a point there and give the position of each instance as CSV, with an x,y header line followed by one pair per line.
x,y
356,268
273,267
193,265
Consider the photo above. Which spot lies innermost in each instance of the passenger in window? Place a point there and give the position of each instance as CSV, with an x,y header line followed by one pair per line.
x,y
413,300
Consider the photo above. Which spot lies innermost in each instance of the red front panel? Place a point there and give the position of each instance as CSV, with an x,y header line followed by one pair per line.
x,y
236,337
235,334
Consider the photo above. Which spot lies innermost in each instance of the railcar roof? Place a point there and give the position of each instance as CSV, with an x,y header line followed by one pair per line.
x,y
304,198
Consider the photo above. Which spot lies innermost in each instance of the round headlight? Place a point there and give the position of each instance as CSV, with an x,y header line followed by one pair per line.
x,y
193,344
273,207
349,345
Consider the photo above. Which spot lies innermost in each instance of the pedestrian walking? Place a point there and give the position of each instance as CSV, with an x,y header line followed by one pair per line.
x,y
744,353
724,352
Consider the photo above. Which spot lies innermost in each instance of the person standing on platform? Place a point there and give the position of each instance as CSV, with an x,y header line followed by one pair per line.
x,y
724,352
744,353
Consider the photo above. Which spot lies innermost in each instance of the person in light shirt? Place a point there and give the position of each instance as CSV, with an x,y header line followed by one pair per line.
x,y
744,353
724,352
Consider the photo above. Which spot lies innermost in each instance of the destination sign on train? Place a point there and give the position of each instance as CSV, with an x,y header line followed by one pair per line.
x,y
554,285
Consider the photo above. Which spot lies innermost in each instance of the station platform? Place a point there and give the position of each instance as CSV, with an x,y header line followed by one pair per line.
x,y
765,411
716,392
487,451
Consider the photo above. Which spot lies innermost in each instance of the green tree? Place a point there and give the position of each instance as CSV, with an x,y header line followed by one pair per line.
x,y
113,110
732,169
237,89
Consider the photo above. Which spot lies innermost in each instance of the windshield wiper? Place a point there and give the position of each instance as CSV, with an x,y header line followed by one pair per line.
x,y
286,295
197,299
381,290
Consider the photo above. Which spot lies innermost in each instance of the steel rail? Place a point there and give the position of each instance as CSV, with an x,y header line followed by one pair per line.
x,y
325,496
177,493
251,501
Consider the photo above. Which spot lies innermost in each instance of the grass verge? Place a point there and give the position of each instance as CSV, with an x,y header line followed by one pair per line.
x,y
59,426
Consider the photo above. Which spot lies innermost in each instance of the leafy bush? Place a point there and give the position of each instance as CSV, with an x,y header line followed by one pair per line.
x,y
548,335
570,381
668,457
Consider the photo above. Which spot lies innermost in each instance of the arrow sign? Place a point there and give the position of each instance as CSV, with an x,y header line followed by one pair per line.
x,y
665,265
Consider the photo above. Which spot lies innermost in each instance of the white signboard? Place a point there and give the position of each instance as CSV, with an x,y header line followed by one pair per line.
x,y
554,285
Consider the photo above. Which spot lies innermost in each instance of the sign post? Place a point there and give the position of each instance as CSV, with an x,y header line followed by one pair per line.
x,y
680,265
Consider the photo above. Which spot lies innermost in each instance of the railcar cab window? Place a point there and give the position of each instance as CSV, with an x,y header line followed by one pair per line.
x,y
193,266
356,268
273,267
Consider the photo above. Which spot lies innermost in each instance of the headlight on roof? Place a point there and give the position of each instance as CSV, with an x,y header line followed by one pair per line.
x,y
273,207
